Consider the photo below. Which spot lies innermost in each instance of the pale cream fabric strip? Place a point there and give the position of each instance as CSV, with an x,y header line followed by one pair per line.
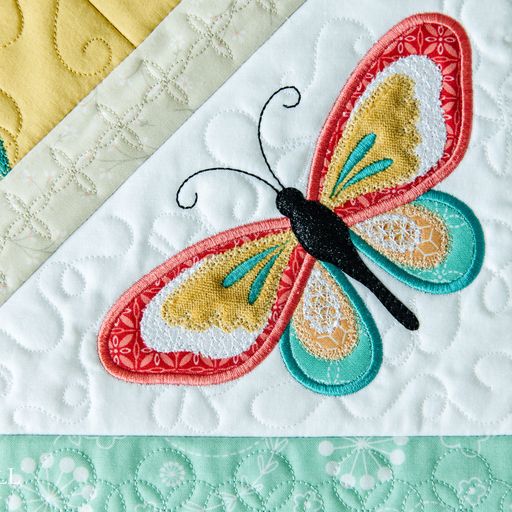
x,y
73,170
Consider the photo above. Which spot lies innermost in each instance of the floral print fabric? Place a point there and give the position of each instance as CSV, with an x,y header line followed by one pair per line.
x,y
240,474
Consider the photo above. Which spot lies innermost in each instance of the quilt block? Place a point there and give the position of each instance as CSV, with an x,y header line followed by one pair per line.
x,y
301,300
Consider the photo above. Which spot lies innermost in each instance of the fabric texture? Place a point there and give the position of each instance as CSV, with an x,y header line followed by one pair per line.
x,y
54,53
386,474
450,377
122,122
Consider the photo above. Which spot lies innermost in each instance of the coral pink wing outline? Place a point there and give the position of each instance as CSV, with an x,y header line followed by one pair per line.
x,y
273,331
370,205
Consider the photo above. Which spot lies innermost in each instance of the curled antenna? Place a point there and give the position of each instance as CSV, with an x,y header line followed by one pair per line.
x,y
246,173
178,192
292,105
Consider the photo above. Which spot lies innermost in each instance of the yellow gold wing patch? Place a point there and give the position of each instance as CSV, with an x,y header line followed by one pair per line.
x,y
377,149
231,290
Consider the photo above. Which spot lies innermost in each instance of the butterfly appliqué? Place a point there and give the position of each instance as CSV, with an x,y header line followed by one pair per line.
x,y
214,311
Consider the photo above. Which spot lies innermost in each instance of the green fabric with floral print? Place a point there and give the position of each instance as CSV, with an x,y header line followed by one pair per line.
x,y
253,474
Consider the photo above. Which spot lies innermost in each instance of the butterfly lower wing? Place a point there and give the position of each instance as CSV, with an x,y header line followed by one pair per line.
x,y
331,345
209,314
402,122
434,244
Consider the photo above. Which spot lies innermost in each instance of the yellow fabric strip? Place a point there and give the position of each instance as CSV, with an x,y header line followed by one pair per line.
x,y
53,52
134,19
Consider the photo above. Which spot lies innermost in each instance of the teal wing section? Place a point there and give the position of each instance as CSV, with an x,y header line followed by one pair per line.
x,y
335,376
465,252
5,167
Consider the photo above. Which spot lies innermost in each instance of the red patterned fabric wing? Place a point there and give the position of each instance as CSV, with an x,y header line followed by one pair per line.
x,y
440,39
126,355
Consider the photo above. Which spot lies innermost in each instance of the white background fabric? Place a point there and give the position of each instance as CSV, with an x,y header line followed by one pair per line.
x,y
451,377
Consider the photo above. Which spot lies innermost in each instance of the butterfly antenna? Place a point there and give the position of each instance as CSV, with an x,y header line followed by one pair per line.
x,y
285,105
202,171
240,171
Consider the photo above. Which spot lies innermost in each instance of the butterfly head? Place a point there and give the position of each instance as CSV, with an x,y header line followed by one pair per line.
x,y
288,200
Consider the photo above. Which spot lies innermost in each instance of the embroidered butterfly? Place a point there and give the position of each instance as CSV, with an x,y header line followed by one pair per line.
x,y
214,311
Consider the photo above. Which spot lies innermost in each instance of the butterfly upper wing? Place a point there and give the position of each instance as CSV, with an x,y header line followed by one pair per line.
x,y
400,126
331,345
434,243
209,314
402,122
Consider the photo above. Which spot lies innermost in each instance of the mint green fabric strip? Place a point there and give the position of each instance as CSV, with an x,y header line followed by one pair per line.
x,y
252,474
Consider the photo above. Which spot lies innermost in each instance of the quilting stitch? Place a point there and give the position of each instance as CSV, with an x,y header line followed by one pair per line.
x,y
43,43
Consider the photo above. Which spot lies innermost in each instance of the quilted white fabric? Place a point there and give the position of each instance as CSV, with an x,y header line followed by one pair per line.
x,y
451,377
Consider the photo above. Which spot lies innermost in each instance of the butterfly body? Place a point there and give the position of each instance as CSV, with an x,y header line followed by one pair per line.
x,y
325,236
321,232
